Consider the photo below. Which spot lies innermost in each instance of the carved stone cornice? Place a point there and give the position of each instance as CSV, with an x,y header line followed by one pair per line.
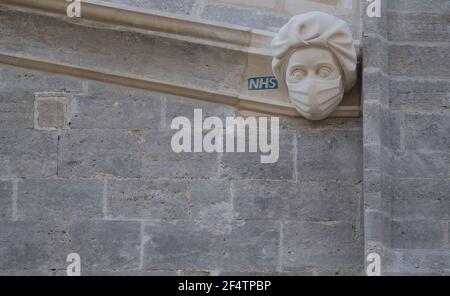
x,y
236,51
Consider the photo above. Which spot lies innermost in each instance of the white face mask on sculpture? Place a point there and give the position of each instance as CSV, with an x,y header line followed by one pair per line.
x,y
314,58
314,82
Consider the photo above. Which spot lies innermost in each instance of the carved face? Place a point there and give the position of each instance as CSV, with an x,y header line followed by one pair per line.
x,y
314,82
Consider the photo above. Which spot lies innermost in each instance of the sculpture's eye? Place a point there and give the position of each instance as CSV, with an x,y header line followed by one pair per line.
x,y
298,74
324,72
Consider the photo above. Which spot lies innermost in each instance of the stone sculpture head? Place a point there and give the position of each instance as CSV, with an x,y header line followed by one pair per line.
x,y
315,57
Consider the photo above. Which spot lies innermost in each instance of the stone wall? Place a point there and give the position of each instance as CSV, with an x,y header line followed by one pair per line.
x,y
87,167
406,151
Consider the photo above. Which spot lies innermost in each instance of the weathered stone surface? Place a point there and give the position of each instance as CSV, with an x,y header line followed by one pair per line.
x,y
19,79
429,60
244,17
421,199
50,112
296,123
31,245
196,65
306,201
377,56
131,273
418,234
427,132
139,199
391,130
211,200
6,199
27,153
415,164
372,180
418,26
172,6
375,86
67,200
243,245
27,245
16,109
180,106
372,157
110,106
418,262
420,94
319,244
377,227
418,5
328,154
107,245
99,152
372,122
247,165
159,160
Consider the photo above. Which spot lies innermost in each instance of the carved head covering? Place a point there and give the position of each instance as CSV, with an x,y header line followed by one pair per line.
x,y
316,29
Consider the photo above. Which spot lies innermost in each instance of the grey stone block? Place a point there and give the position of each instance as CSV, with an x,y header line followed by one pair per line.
x,y
296,123
118,107
25,272
131,273
16,109
159,160
372,157
139,199
6,199
211,200
372,113
418,26
420,94
183,7
375,86
27,153
421,199
377,227
89,153
329,154
321,245
391,126
247,165
180,106
244,17
427,132
33,246
420,60
246,246
30,81
372,181
415,164
376,53
306,201
304,272
418,5
418,234
60,200
107,245
418,262
376,201
43,247
50,112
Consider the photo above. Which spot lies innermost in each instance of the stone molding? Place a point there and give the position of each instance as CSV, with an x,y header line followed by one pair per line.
x,y
255,44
